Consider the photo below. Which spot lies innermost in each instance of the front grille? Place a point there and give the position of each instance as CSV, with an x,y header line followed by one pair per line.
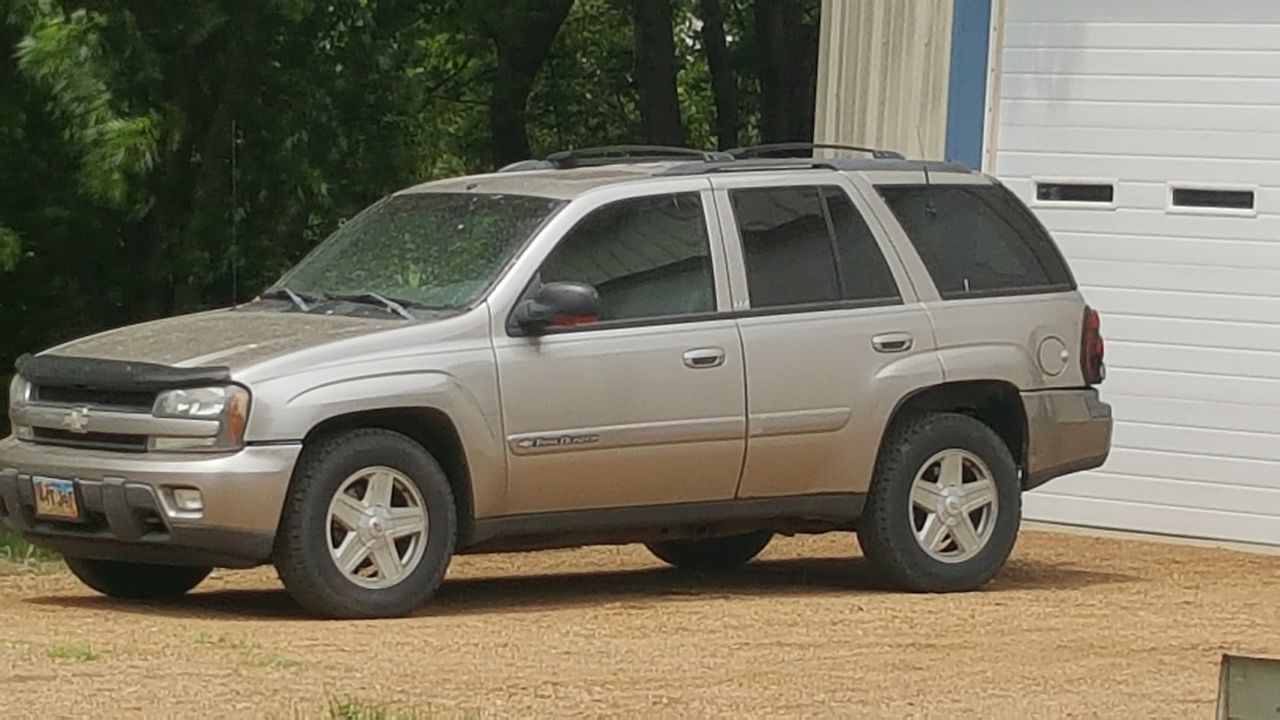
x,y
91,440
122,400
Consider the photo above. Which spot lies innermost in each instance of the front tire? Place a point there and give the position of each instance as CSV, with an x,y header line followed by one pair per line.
x,y
717,553
136,581
944,507
369,527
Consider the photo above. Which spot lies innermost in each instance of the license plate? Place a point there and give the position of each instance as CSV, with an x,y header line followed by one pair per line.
x,y
56,498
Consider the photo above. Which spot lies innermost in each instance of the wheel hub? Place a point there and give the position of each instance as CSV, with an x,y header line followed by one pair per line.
x,y
377,527
953,505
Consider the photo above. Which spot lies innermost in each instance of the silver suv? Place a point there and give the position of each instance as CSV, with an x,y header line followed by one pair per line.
x,y
695,351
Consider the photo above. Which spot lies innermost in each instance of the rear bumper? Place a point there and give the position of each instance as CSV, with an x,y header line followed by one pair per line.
x,y
128,506
1067,431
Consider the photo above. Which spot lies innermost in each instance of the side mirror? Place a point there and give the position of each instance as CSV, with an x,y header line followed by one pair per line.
x,y
558,304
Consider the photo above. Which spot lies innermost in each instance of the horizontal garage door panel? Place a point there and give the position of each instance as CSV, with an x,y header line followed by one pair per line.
x,y
1161,223
1250,12
1172,492
1157,303
1183,332
1180,439
1186,278
1210,254
1139,36
1205,469
1217,361
1210,414
1150,168
1233,91
1168,63
1169,143
1191,385
1152,116
1150,517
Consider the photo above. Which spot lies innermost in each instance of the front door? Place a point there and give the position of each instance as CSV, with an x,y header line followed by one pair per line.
x,y
646,406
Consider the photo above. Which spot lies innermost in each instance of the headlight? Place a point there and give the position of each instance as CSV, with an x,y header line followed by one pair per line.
x,y
229,405
198,403
19,391
19,394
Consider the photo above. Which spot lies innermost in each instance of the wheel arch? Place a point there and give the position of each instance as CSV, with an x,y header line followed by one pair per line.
x,y
431,428
995,403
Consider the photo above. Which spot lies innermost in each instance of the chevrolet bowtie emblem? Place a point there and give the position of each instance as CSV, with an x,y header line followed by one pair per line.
x,y
77,421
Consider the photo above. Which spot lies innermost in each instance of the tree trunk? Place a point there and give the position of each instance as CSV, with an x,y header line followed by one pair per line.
x,y
523,37
656,72
724,84
788,60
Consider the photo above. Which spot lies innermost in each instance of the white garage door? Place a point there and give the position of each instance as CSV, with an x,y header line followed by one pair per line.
x,y
1146,135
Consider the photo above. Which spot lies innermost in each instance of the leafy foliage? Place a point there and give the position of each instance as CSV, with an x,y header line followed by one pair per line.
x,y
162,157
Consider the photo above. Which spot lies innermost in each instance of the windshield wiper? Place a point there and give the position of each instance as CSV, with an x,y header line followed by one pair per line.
x,y
365,297
300,301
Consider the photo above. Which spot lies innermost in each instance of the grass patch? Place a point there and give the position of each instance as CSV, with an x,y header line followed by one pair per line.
x,y
16,551
230,642
356,709
80,652
272,661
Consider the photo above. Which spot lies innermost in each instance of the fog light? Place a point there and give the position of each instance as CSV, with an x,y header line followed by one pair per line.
x,y
188,499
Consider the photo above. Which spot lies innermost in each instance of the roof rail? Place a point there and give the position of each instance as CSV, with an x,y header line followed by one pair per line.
x,y
748,165
756,151
615,155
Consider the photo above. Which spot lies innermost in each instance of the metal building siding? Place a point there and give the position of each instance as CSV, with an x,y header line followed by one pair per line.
x,y
882,74
1148,95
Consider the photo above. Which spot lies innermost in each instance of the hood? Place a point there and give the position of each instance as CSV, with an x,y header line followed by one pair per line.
x,y
234,339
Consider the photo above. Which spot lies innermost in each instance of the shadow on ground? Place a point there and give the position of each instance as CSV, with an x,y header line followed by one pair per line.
x,y
644,588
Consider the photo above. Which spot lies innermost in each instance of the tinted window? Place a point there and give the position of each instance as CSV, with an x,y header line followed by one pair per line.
x,y
1075,192
864,274
646,257
787,246
1228,199
977,240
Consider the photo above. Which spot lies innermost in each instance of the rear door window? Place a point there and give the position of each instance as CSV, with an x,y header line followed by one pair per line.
x,y
864,274
786,245
808,245
978,240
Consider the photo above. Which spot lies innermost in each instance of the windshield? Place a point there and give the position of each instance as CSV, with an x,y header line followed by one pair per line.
x,y
436,250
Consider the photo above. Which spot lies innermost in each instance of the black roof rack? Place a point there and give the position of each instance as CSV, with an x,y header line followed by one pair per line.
x,y
770,149
615,155
748,165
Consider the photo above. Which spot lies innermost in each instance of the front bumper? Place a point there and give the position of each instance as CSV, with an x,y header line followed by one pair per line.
x,y
1067,431
128,507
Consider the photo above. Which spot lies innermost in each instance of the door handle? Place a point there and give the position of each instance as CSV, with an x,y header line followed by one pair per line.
x,y
704,358
894,342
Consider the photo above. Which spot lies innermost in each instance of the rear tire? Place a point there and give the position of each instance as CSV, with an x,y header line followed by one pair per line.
x,y
137,581
369,526
944,507
717,553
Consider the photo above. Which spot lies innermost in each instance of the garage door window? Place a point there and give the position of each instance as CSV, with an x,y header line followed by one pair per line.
x,y
978,240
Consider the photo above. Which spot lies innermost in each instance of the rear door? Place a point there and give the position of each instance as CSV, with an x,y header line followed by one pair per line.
x,y
833,335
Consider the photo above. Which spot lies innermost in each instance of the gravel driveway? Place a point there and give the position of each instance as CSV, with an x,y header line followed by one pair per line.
x,y
1075,626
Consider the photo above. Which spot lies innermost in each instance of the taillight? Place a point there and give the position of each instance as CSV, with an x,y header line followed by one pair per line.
x,y
1092,349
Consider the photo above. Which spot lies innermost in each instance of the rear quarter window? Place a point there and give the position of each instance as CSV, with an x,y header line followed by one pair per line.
x,y
978,240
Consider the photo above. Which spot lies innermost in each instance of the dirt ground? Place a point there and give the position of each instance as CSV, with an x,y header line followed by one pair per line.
x,y
1075,627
